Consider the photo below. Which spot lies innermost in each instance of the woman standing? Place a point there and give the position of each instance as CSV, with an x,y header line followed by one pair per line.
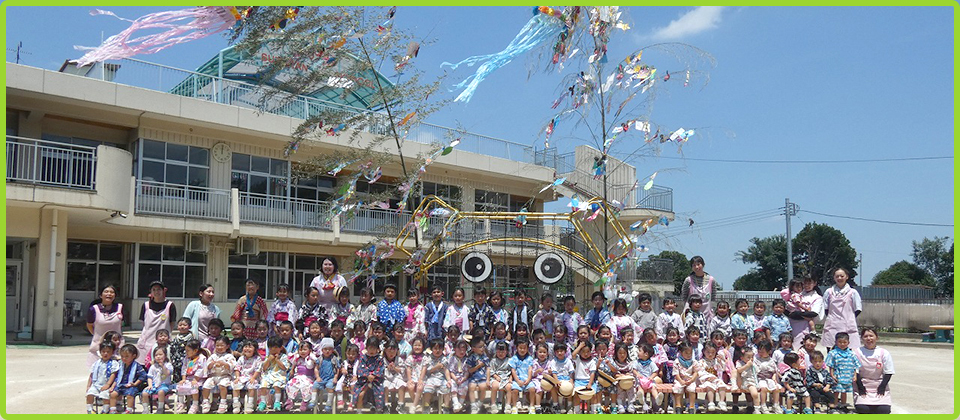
x,y
156,314
871,394
842,304
801,324
104,315
328,280
201,312
698,283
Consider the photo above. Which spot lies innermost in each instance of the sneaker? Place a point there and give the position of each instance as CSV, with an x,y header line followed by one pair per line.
x,y
206,407
236,406
807,410
722,406
669,409
223,407
456,405
515,411
178,408
788,411
764,409
146,410
777,409
711,407
194,408
759,409
691,410
262,406
277,406
128,411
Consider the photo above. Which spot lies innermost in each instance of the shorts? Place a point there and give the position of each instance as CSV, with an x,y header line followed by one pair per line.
x,y
328,384
477,377
768,384
583,382
166,388
128,391
646,383
273,382
217,382
436,384
535,385
96,392
245,383
801,394
841,387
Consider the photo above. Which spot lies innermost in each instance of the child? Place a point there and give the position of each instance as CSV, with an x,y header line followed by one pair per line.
x,y
500,379
820,383
377,330
214,329
786,347
130,379
499,336
537,338
250,309
327,366
809,345
598,315
273,375
522,312
693,338
521,372
755,321
747,378
667,319
481,314
648,374
341,310
285,331
247,377
546,316
622,365
414,325
570,319
659,355
103,374
477,374
236,344
219,373
415,364
737,347
191,377
767,378
162,342
314,335
520,332
394,375
303,364
692,317
644,316
777,323
435,314
795,306
620,320
403,346
456,374
604,358
177,347
339,340
721,320
370,377
724,354
283,309
366,311
671,349
843,364
262,331
450,344
685,380
559,337
794,383
633,352
310,311
540,366
585,375
740,320
457,314
159,382
359,335
347,376
562,367
711,372
433,374
390,311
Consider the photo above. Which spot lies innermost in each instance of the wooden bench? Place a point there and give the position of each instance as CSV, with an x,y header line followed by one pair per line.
x,y
940,334
668,388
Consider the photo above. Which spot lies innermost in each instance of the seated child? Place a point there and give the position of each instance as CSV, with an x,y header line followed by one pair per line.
x,y
247,377
433,374
347,377
747,377
686,372
300,385
767,378
499,378
521,369
414,364
214,329
219,373
191,377
820,383
477,369
394,373
711,372
159,382
648,375
130,379
793,381
457,374
274,373
103,374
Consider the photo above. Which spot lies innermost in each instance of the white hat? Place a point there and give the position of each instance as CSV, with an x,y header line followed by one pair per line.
x,y
326,342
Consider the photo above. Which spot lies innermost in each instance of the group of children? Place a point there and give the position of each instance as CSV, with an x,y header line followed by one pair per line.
x,y
481,358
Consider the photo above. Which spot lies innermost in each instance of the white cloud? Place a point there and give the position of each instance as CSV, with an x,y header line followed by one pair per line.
x,y
693,22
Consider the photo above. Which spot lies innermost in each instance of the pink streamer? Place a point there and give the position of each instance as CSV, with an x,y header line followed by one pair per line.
x,y
205,21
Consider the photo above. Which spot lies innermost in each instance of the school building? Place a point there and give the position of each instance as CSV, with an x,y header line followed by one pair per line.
x,y
127,172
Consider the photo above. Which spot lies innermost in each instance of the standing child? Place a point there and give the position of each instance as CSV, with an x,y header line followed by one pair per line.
x,y
303,364
262,331
820,383
620,320
415,367
450,344
366,311
403,346
218,372
290,345
435,314
477,373
693,338
275,369
314,335
522,312
433,373
648,373
777,323
560,366
747,378
458,313
481,314
247,377
236,343
539,368
499,377
739,320
767,378
457,375
521,372
668,319
499,336
339,340
755,321
546,317
692,316
390,311
644,316
671,349
370,377
570,319
721,320
327,366
283,309
159,382
785,342
622,365
793,381
394,375
496,308
414,325
103,374
191,378
843,364
599,315
214,329
585,375
347,379
711,372
341,310
162,341
310,311
177,346
685,381
130,379
358,337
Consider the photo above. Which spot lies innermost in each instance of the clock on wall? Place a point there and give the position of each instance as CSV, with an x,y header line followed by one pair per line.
x,y
221,152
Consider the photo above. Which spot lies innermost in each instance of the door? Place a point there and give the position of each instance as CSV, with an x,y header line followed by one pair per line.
x,y
13,295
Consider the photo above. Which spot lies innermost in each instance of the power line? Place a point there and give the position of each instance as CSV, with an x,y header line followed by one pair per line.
x,y
810,161
880,221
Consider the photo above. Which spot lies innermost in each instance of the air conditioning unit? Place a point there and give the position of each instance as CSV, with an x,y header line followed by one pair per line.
x,y
195,243
248,246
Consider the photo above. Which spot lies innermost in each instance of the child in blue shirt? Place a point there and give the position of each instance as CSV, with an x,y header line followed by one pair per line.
x,y
130,379
521,365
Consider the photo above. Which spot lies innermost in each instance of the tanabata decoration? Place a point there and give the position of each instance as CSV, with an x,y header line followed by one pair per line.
x,y
664,221
407,186
176,26
599,167
521,220
413,49
555,183
649,183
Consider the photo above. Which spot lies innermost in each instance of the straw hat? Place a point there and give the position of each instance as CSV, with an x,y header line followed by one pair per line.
x,y
625,382
605,379
549,382
565,389
585,392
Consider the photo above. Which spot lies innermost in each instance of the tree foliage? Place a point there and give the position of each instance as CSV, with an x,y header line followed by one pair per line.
x,y
932,256
903,272
681,267
770,257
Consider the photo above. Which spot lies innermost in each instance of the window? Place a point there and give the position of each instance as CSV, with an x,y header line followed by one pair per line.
x,y
182,272
491,201
260,175
446,276
13,122
318,188
452,194
269,269
172,163
92,265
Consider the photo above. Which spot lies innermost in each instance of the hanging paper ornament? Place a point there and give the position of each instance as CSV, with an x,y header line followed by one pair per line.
x,y
664,221
520,220
555,183
649,183
407,118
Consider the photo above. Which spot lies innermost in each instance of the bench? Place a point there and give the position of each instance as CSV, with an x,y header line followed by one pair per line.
x,y
668,388
940,334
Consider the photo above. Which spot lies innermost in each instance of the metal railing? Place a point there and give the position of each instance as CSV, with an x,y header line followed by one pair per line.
x,y
49,163
284,211
187,83
656,198
375,221
164,199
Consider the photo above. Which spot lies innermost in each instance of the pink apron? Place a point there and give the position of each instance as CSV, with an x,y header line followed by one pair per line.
x,y
871,372
706,293
152,322
203,318
801,327
841,318
103,323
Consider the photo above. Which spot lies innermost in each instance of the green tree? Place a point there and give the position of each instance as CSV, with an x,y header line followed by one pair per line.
x,y
903,272
931,256
818,248
681,267
945,287
770,256
749,281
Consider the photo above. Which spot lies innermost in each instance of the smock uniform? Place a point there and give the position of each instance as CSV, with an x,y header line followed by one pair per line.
x,y
844,364
841,317
104,321
873,365
153,321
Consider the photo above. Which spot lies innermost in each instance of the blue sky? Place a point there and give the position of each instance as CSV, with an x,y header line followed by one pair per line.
x,y
791,84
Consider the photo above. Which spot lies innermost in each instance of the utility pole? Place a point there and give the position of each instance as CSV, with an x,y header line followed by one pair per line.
x,y
789,209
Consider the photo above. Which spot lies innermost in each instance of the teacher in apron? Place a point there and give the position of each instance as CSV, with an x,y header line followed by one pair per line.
x,y
698,283
327,281
201,312
843,304
801,325
156,314
872,393
105,315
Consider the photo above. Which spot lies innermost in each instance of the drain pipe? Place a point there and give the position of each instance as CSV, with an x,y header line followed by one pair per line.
x,y
51,293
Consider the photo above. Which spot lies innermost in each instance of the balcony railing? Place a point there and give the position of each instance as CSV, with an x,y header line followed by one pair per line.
x,y
656,198
48,163
376,221
284,211
182,200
